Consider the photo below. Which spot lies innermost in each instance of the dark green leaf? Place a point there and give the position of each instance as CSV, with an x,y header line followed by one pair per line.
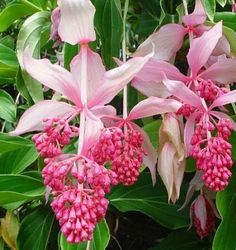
x,y
152,201
7,107
29,35
14,12
100,239
152,130
108,22
69,52
180,240
35,230
222,2
226,204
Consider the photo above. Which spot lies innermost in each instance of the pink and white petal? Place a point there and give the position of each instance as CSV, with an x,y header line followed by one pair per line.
x,y
150,88
197,17
165,166
202,47
103,111
221,115
181,91
32,118
188,132
223,71
95,71
179,167
222,47
153,106
200,211
224,99
168,40
93,130
149,160
53,76
114,80
76,25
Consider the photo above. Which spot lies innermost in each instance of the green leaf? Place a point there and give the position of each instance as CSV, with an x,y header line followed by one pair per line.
x,y
17,161
180,240
8,57
231,37
11,143
29,36
7,107
14,12
108,22
222,2
228,18
101,237
232,141
35,230
152,129
226,204
17,189
152,201
210,8
69,52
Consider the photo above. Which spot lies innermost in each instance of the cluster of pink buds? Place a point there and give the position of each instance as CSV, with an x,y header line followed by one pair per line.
x,y
185,110
213,155
79,186
123,150
56,134
203,216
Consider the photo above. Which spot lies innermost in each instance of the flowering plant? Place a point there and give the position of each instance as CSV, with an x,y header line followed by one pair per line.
x,y
112,116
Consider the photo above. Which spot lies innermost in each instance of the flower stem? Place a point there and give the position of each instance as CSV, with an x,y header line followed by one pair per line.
x,y
83,87
125,90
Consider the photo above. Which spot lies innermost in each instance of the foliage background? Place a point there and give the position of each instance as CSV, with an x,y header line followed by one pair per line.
x,y
139,216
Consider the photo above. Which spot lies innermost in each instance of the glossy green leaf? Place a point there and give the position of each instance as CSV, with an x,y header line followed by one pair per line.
x,y
35,229
11,143
69,52
101,237
108,22
181,240
14,12
17,189
8,56
210,8
29,36
152,201
7,107
17,161
226,204
231,37
152,129
228,18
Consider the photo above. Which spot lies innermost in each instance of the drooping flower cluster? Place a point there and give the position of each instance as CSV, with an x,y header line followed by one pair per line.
x,y
123,150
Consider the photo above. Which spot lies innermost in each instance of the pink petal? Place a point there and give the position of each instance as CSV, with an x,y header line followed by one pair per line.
x,y
188,132
165,166
179,167
153,106
181,91
222,47
93,130
52,76
223,71
95,71
200,211
55,18
149,80
32,119
202,47
149,160
103,111
168,40
227,98
115,80
197,17
76,25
